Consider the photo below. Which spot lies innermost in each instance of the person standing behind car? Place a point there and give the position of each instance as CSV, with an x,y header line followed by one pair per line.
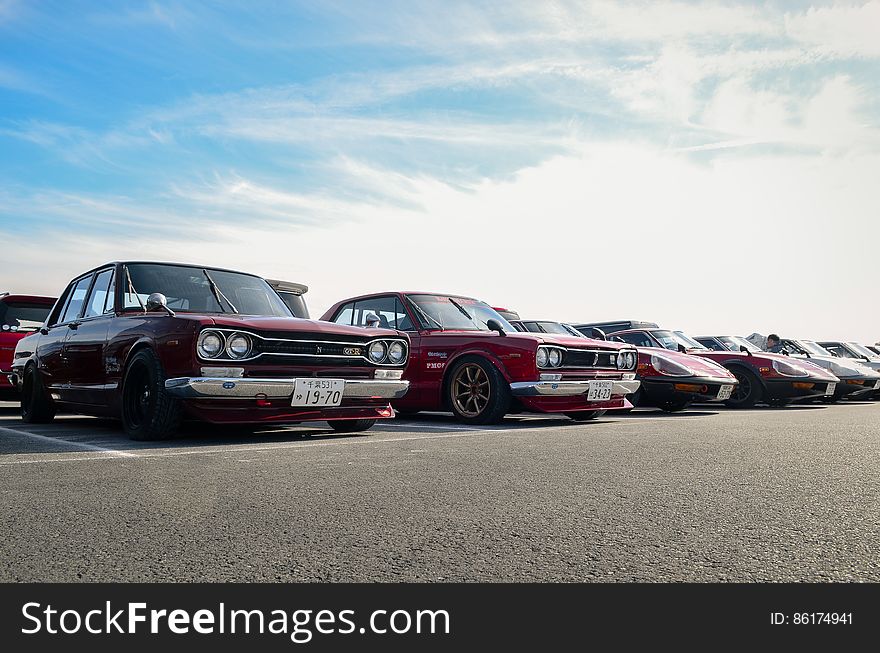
x,y
774,344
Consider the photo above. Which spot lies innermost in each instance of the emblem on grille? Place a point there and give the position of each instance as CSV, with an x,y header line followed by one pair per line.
x,y
317,349
352,351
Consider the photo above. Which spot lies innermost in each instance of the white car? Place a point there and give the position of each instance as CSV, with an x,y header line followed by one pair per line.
x,y
857,380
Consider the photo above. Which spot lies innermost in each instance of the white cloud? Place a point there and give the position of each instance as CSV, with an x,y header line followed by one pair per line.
x,y
842,30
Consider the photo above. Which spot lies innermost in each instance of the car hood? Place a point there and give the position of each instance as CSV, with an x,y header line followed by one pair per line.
x,y
571,342
293,324
815,370
852,368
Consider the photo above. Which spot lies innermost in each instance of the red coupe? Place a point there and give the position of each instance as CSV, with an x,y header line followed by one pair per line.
x,y
152,343
466,358
19,316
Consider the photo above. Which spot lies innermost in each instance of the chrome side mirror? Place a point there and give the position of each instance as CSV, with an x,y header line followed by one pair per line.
x,y
371,320
158,302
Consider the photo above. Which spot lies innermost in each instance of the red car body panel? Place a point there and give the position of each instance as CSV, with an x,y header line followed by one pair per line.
x,y
83,367
433,352
9,338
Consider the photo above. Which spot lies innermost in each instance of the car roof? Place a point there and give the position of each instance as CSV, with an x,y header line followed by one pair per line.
x,y
30,299
181,265
406,292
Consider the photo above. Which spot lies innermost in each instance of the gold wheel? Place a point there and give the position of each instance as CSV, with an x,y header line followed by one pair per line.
x,y
471,390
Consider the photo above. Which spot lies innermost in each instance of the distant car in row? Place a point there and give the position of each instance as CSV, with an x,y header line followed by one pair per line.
x,y
671,381
762,377
468,359
20,315
855,380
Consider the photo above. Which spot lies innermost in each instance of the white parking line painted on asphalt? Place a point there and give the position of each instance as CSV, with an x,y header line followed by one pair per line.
x,y
73,443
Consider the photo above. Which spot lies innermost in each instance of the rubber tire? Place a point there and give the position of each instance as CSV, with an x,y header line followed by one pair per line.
x,y
757,389
167,412
499,393
351,425
585,415
36,404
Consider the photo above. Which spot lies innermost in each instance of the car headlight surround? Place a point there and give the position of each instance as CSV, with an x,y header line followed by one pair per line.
x,y
377,351
396,352
238,345
211,343
669,367
787,369
627,360
549,357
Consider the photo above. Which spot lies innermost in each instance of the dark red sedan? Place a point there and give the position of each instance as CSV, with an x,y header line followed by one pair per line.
x,y
466,358
154,343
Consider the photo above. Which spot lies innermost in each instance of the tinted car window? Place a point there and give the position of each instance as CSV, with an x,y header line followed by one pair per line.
x,y
22,316
76,300
710,343
639,339
345,314
98,297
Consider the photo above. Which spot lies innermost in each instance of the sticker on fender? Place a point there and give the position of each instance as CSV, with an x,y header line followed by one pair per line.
x,y
600,390
317,392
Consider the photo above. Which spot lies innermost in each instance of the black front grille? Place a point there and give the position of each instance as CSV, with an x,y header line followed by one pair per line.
x,y
604,360
312,348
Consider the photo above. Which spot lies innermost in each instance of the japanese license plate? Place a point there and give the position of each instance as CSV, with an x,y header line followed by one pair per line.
x,y
317,392
830,389
600,390
725,392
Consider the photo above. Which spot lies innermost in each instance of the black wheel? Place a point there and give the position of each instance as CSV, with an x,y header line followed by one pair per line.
x,y
585,415
675,406
36,404
351,425
148,411
477,393
748,392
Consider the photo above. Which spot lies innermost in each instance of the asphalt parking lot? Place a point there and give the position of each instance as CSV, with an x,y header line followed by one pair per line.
x,y
706,495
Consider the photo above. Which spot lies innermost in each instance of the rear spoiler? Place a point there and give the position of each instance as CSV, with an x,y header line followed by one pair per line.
x,y
288,286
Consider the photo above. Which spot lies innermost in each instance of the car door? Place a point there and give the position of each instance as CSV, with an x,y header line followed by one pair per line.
x,y
84,347
51,358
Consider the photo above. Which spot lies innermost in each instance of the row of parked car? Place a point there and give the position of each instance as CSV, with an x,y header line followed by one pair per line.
x,y
155,343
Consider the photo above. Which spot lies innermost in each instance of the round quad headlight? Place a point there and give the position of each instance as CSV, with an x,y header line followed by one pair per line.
x,y
238,345
377,351
396,353
554,357
210,344
542,357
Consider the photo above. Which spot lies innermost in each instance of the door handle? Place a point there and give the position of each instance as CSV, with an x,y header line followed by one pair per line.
x,y
73,325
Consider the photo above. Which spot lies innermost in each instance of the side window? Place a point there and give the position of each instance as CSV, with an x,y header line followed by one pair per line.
x,y
711,343
110,303
389,310
345,314
637,339
77,298
98,297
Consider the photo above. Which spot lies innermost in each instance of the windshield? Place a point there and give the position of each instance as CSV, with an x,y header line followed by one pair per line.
x,y
813,348
554,327
672,340
736,343
456,313
795,347
190,290
22,316
864,351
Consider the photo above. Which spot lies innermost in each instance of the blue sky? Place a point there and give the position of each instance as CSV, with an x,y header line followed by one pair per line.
x,y
712,166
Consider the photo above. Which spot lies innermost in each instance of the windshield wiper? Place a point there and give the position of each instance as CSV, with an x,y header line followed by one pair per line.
x,y
461,309
424,314
219,293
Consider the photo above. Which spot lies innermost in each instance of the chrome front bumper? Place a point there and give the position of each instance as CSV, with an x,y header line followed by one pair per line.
x,y
202,387
568,388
